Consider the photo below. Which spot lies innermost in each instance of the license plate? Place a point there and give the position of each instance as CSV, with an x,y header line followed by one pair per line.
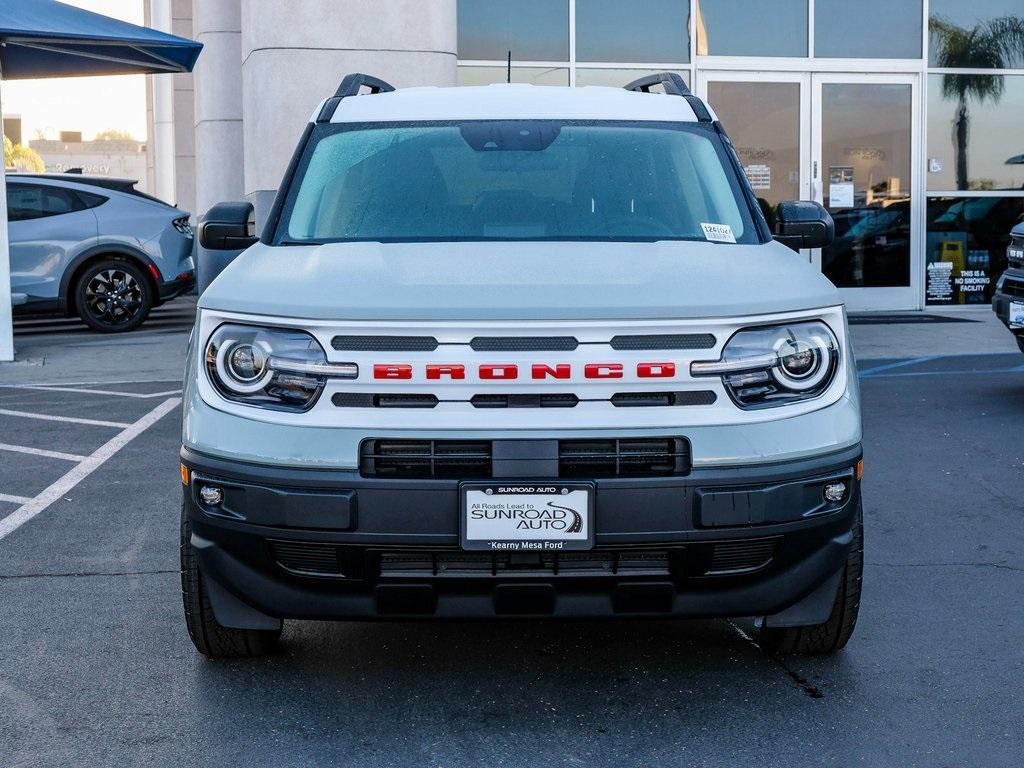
x,y
1017,314
533,517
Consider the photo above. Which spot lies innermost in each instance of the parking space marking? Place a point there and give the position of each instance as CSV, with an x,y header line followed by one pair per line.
x,y
56,388
14,499
69,419
32,507
41,452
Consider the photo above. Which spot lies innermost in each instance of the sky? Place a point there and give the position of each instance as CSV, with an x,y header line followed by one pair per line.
x,y
86,104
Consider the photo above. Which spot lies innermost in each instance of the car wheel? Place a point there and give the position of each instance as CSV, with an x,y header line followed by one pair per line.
x,y
211,638
113,296
820,639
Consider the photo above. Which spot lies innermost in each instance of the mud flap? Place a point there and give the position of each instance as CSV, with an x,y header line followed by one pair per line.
x,y
813,609
232,612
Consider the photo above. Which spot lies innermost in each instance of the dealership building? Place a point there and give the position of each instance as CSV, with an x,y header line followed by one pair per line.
x,y
905,118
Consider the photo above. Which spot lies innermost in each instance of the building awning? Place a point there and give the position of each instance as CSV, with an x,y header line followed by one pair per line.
x,y
44,38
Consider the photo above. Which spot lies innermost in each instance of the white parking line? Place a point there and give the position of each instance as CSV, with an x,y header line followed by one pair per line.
x,y
69,419
41,452
86,467
115,393
14,499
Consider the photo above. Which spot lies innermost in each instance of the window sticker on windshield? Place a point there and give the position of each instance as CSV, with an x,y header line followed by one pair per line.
x,y
718,233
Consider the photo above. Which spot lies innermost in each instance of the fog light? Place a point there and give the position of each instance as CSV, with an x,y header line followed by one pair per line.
x,y
211,495
835,492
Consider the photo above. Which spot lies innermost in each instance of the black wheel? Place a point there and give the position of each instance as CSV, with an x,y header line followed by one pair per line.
x,y
831,636
210,638
113,296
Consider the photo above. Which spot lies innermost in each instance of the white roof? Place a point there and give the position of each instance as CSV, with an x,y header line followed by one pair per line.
x,y
512,102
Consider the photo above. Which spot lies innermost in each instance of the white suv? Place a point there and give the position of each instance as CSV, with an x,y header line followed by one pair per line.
x,y
518,351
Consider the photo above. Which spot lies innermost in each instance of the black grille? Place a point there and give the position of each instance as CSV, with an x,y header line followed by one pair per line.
x,y
524,343
525,401
651,457
369,400
665,341
1013,287
384,343
642,399
463,459
742,556
307,558
425,564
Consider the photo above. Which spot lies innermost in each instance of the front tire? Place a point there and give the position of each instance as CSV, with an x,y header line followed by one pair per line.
x,y
212,639
113,296
822,639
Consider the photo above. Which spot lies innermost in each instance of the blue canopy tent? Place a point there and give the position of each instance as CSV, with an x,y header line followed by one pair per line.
x,y
45,38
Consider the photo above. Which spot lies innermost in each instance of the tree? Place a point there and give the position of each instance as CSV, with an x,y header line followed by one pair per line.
x,y
114,134
22,158
993,44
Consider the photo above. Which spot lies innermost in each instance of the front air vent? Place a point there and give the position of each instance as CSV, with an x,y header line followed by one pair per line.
x,y
425,459
664,341
524,344
743,556
384,343
642,457
1013,288
567,400
665,399
308,558
369,400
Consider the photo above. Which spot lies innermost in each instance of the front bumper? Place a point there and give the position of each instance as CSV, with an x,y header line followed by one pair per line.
x,y
1009,288
330,544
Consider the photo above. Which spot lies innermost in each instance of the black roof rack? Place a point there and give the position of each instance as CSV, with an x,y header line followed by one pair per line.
x,y
674,85
350,86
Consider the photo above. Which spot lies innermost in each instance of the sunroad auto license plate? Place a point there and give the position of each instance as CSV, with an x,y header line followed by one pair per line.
x,y
528,516
1017,314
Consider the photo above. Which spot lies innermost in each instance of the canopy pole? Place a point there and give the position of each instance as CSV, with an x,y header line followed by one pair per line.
x,y
6,298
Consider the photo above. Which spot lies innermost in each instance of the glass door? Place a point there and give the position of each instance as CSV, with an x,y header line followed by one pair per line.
x,y
864,167
767,116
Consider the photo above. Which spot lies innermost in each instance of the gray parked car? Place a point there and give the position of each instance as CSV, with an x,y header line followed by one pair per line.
x,y
95,247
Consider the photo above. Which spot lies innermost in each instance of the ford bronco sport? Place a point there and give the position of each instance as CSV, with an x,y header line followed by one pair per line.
x,y
513,351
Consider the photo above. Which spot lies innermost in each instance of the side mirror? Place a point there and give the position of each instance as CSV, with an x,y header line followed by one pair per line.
x,y
228,227
803,224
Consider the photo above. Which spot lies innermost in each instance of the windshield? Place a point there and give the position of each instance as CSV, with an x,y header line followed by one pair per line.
x,y
515,180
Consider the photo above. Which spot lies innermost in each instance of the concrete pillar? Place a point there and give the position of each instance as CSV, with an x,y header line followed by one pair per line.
x,y
217,24
295,52
162,137
184,116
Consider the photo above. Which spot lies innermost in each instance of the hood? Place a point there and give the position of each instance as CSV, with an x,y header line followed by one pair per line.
x,y
518,281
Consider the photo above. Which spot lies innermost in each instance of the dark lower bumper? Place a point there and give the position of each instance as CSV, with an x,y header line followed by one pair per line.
x,y
174,288
316,544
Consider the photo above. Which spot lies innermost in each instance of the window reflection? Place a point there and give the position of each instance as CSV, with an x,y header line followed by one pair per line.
x,y
617,78
966,246
868,29
613,30
980,34
534,30
975,140
530,75
742,28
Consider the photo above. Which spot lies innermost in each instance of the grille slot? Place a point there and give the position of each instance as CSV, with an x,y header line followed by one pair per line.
x,y
568,400
1013,287
425,564
423,459
646,399
524,343
384,343
744,556
307,558
648,457
368,400
664,341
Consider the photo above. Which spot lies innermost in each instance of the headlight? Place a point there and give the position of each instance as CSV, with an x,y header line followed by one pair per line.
x,y
270,367
764,367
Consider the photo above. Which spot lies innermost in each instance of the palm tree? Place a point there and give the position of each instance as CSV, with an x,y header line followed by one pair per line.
x,y
994,44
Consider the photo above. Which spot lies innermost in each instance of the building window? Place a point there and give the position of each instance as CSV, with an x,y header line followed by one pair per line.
x,y
531,75
617,78
533,30
974,137
742,28
612,30
980,34
966,246
868,29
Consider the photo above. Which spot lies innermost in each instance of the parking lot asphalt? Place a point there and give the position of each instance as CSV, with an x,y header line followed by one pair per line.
x,y
96,668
